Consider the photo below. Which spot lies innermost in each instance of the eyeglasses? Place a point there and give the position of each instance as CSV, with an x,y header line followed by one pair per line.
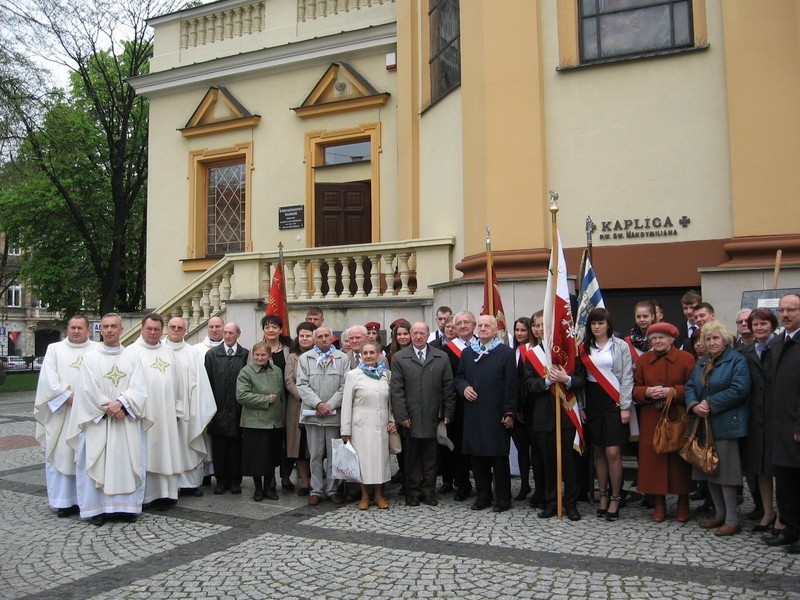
x,y
741,321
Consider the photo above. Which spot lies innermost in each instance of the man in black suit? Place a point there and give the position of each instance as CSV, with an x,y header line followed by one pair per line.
x,y
423,395
223,364
785,399
688,303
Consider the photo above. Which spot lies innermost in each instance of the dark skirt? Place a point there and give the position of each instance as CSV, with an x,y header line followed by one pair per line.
x,y
603,423
261,451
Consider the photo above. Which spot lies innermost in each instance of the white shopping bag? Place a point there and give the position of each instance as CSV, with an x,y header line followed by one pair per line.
x,y
345,461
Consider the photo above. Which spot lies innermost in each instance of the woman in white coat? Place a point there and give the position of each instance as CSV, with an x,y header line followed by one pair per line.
x,y
367,422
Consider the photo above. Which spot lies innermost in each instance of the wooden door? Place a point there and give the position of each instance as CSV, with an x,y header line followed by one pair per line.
x,y
343,214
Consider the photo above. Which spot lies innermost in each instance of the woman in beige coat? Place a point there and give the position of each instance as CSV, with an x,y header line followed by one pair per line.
x,y
367,422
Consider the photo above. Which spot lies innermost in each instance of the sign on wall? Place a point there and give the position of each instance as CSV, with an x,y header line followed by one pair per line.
x,y
291,217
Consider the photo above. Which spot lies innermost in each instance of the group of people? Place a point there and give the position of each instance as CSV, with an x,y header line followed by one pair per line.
x,y
123,427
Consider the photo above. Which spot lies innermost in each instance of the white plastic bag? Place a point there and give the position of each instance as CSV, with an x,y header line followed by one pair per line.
x,y
345,461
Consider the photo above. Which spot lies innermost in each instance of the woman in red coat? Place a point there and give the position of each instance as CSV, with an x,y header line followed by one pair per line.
x,y
658,370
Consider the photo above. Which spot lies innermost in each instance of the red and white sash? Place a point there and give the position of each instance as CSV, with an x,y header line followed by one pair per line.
x,y
610,384
456,346
536,358
635,352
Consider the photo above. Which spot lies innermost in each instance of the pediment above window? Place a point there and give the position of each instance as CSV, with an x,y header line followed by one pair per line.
x,y
219,111
340,89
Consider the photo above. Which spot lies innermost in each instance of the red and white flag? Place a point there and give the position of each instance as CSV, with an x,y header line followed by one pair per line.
x,y
276,303
559,335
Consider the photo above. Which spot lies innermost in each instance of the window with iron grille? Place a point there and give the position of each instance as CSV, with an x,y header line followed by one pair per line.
x,y
445,61
226,209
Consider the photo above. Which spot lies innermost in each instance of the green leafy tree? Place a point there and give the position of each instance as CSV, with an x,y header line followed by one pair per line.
x,y
75,191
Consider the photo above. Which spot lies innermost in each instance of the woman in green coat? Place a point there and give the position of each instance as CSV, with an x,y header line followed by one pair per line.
x,y
260,391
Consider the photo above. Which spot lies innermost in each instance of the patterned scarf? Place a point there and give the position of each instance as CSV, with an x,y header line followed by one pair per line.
x,y
708,367
321,356
374,372
480,350
639,339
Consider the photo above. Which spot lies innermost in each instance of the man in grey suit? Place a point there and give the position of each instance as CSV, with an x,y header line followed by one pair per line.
x,y
423,395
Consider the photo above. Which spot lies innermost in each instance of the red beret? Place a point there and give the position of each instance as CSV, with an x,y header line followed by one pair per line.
x,y
373,326
397,322
664,328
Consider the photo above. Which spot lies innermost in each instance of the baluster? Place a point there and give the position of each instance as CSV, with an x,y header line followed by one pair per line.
x,y
184,35
226,288
360,293
322,6
346,277
186,308
266,280
237,22
331,10
219,27
247,21
301,11
364,4
404,273
197,311
291,292
304,280
388,259
341,6
330,277
311,9
228,16
193,33
215,304
316,274
206,302
374,275
353,5
201,32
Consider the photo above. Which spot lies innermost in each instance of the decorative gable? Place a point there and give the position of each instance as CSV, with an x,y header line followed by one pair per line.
x,y
340,89
218,111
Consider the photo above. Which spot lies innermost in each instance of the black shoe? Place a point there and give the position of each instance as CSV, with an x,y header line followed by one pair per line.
x,y
480,505
412,502
258,495
782,539
611,516
127,517
98,520
764,528
793,548
303,491
501,507
756,514
431,502
220,489
523,493
445,488
547,513
461,494
67,512
574,515
236,488
195,492
287,484
271,494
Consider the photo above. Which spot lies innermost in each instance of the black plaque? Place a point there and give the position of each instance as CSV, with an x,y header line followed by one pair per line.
x,y
291,217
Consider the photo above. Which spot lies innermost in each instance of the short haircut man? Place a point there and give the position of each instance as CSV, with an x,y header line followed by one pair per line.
x,y
55,393
356,336
703,313
423,395
213,336
320,381
442,314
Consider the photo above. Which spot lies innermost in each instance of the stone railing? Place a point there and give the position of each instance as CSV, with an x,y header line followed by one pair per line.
x,y
225,24
321,275
308,10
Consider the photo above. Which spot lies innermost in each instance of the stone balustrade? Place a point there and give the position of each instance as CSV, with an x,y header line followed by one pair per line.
x,y
309,10
217,27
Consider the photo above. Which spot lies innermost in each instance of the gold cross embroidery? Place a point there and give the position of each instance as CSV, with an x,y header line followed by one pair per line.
x,y
115,375
159,364
78,362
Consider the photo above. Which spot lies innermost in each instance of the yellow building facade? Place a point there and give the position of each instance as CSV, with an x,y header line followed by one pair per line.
x,y
376,140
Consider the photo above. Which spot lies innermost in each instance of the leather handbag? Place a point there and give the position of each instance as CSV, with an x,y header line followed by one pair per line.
x,y
670,436
699,454
395,444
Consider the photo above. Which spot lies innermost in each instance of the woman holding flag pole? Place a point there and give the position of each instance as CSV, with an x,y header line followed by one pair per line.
x,y
609,399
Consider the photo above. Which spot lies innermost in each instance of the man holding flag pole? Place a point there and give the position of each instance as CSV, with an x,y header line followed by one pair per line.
x,y
557,421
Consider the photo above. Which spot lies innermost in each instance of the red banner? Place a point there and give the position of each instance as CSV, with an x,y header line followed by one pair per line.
x,y
276,304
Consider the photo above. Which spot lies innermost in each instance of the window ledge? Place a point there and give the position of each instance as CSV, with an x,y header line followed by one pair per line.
x,y
622,59
199,264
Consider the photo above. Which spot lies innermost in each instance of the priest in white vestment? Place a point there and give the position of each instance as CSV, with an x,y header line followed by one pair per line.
x,y
213,337
198,407
55,393
107,429
167,458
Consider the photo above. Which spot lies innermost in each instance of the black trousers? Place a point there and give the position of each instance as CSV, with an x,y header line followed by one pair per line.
x,y
227,453
787,494
547,447
420,466
483,467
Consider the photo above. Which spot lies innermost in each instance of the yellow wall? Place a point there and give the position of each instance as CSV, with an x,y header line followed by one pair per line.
x,y
503,130
762,54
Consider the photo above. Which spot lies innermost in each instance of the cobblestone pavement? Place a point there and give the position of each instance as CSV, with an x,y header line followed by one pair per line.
x,y
231,547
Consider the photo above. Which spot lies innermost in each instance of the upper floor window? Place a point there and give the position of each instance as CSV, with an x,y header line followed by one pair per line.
x,y
350,152
626,28
445,60
14,296
14,251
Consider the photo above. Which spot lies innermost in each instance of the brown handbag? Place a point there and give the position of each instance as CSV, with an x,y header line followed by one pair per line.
x,y
670,436
701,455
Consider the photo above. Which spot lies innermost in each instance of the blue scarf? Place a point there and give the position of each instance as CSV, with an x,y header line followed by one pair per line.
x,y
321,356
480,350
374,372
